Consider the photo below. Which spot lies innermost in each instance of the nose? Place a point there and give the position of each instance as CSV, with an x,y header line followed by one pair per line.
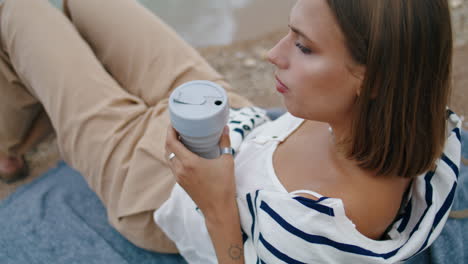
x,y
276,55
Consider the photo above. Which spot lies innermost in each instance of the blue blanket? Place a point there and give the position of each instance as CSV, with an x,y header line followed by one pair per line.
x,y
58,219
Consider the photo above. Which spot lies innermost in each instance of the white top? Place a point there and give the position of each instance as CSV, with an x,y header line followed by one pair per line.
x,y
282,227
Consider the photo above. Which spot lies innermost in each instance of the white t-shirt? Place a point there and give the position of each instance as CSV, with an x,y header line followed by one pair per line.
x,y
282,227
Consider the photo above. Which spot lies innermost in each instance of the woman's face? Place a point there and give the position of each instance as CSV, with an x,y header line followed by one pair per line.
x,y
314,65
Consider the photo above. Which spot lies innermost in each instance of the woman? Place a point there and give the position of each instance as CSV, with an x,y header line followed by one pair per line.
x,y
351,174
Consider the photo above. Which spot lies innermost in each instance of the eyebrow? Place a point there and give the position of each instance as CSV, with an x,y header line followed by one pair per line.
x,y
300,33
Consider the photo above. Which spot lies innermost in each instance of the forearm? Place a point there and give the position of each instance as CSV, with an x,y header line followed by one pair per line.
x,y
224,229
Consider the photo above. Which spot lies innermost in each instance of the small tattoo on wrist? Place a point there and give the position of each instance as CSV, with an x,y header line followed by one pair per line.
x,y
235,252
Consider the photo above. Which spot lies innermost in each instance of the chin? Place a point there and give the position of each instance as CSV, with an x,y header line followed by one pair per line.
x,y
313,116
294,111
304,111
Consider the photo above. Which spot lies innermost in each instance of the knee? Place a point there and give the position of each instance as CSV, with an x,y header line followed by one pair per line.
x,y
71,8
17,16
65,8
84,13
82,8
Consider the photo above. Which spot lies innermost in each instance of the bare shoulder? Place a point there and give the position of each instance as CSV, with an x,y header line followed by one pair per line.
x,y
303,162
373,207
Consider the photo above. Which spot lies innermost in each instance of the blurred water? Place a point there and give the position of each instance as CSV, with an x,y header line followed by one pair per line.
x,y
201,22
460,21
218,22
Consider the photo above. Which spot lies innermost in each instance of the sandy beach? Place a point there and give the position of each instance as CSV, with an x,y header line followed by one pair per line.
x,y
244,66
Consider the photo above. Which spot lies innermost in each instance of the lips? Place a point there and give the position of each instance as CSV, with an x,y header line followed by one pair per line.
x,y
280,86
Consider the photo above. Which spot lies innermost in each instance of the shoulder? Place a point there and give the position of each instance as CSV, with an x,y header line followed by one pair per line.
x,y
373,203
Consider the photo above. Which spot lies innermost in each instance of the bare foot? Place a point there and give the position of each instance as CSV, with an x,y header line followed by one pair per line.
x,y
12,168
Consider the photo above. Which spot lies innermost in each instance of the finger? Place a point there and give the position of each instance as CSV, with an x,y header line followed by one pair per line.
x,y
168,157
225,140
174,163
174,145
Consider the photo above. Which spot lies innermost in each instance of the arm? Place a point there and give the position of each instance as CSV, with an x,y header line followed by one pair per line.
x,y
224,229
211,185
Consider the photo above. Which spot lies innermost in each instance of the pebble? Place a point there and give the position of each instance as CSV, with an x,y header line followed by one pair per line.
x,y
261,53
249,62
456,3
239,55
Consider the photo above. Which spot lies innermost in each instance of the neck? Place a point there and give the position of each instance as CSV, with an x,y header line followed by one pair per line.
x,y
338,132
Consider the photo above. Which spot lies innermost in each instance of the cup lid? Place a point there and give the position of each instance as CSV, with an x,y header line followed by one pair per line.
x,y
199,108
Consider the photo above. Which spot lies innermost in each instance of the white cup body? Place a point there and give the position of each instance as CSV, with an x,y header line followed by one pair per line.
x,y
199,111
207,147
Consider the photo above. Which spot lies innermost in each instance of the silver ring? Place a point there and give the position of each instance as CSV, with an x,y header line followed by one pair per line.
x,y
227,150
171,156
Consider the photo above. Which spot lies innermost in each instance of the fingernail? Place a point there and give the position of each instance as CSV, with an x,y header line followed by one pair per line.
x,y
226,130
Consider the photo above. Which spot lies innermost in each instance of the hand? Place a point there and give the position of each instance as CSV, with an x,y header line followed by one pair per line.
x,y
209,182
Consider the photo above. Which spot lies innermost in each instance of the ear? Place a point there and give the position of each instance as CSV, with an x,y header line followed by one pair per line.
x,y
359,71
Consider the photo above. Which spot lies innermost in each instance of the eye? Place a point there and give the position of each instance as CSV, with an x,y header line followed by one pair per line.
x,y
303,49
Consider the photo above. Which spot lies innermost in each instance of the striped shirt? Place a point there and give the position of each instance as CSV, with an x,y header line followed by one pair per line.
x,y
282,227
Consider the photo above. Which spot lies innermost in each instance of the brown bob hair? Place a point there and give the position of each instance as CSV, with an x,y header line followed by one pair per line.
x,y
399,124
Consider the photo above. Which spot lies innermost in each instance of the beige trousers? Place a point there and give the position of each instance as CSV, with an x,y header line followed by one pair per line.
x,y
102,73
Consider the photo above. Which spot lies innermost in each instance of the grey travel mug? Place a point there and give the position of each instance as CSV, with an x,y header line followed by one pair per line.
x,y
199,110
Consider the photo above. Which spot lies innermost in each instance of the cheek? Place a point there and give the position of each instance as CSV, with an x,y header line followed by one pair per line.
x,y
339,89
320,77
323,90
